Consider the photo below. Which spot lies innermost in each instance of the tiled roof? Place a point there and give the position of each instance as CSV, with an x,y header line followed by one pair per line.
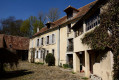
x,y
82,11
14,42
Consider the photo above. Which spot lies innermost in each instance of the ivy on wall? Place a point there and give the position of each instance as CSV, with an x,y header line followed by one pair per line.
x,y
107,34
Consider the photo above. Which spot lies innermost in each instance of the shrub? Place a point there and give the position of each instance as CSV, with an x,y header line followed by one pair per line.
x,y
85,78
73,73
65,66
50,59
39,63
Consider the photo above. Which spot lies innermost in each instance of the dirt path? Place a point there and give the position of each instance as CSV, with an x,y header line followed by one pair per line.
x,y
31,71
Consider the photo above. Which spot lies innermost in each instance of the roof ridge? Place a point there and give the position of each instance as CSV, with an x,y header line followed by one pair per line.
x,y
65,16
88,4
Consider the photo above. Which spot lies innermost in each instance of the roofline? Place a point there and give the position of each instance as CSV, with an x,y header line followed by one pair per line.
x,y
94,6
65,22
14,36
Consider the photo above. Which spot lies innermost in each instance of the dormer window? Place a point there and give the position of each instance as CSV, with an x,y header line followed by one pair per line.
x,y
71,12
49,24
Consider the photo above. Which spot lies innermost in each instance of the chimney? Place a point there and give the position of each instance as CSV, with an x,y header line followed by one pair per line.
x,y
37,29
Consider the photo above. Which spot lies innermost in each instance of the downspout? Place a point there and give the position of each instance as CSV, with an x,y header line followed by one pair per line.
x,y
58,45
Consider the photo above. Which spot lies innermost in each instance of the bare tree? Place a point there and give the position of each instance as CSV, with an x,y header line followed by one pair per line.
x,y
42,17
53,14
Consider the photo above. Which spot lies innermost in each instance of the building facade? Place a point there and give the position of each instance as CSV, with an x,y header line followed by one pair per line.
x,y
63,37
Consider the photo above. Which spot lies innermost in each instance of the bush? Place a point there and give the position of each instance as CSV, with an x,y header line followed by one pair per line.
x,y
65,66
50,59
39,63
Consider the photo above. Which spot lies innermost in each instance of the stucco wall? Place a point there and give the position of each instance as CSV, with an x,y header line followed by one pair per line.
x,y
104,68
47,47
63,44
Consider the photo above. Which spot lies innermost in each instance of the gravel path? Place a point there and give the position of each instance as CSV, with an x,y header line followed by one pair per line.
x,y
31,71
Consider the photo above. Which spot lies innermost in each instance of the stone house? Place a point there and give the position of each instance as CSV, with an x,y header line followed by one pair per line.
x,y
18,45
68,47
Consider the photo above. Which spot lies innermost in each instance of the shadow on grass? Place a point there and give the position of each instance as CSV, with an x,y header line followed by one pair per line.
x,y
13,74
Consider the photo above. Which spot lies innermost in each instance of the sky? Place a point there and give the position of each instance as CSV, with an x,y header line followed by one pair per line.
x,y
23,9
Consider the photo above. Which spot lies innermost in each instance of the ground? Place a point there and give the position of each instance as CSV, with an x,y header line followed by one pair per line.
x,y
32,71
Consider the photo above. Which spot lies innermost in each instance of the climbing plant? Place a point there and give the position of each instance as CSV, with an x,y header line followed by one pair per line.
x,y
107,34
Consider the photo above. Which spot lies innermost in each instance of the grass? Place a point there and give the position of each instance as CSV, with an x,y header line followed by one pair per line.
x,y
85,78
73,73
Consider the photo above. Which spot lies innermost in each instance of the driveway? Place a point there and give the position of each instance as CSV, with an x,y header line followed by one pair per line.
x,y
31,71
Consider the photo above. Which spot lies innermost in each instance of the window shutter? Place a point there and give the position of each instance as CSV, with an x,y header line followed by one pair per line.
x,y
39,53
46,40
54,38
39,41
50,39
36,42
35,53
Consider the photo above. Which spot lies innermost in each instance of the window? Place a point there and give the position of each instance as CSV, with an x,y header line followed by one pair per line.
x,y
37,42
79,31
41,41
53,38
37,54
69,27
47,51
53,51
93,21
69,14
47,39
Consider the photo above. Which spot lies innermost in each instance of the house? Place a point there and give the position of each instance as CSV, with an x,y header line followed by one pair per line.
x,y
18,45
61,33
68,47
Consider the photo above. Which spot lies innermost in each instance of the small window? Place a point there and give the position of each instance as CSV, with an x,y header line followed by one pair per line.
x,y
94,24
69,14
47,39
37,54
37,42
41,41
53,51
47,51
69,27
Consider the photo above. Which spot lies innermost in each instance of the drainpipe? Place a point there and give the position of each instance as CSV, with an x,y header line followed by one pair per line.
x,y
58,45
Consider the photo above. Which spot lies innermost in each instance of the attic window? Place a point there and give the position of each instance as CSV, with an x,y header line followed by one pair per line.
x,y
49,24
70,11
69,14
